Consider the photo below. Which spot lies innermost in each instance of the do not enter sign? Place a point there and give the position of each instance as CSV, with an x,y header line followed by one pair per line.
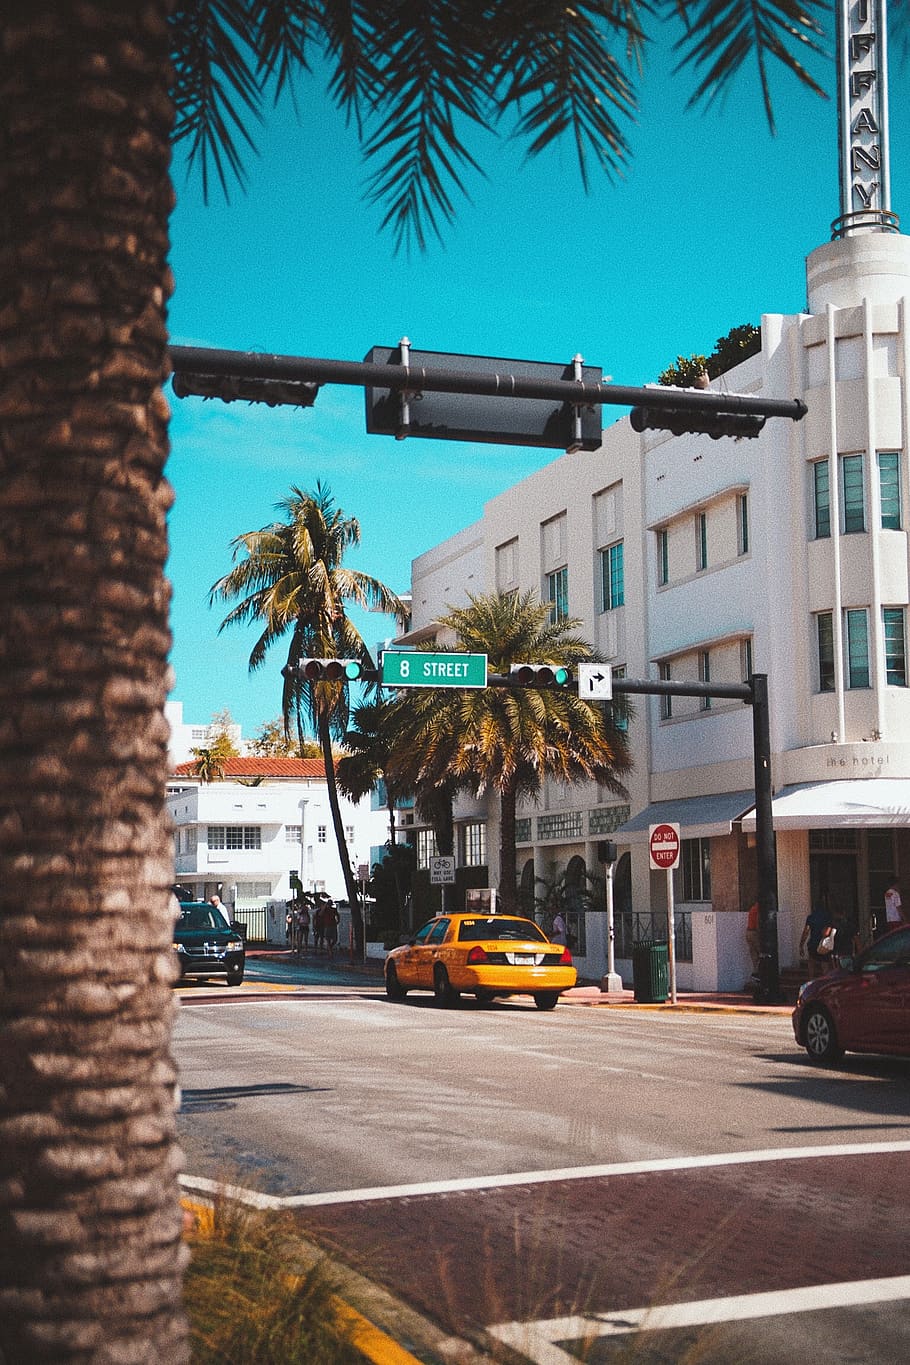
x,y
663,845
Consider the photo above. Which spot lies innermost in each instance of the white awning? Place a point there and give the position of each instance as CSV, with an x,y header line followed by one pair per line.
x,y
865,803
699,817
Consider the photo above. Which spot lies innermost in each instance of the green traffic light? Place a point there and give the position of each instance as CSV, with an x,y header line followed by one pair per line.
x,y
561,676
352,669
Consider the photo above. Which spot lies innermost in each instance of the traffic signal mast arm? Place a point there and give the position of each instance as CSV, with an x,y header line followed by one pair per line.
x,y
415,379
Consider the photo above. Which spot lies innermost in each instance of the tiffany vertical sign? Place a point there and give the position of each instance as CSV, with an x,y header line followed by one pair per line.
x,y
862,77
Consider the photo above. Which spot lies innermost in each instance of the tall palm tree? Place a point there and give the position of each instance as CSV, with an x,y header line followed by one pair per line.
x,y
289,578
91,1256
366,765
509,740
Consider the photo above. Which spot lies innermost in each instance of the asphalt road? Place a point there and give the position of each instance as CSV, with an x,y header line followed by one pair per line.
x,y
497,1167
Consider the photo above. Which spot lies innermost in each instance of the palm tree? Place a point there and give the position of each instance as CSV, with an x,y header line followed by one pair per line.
x,y
509,740
365,766
289,577
88,95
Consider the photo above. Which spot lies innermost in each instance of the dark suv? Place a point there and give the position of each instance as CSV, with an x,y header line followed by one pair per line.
x,y
206,945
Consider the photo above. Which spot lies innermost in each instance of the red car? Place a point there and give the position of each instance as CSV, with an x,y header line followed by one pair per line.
x,y
863,1005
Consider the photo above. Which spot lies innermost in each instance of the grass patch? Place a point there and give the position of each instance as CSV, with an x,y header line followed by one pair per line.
x,y
250,1302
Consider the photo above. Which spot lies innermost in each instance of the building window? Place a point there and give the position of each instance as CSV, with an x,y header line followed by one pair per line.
x,y
854,506
745,658
558,594
473,844
824,627
666,702
234,837
742,523
663,557
321,832
858,648
292,834
695,870
704,675
889,482
426,847
252,891
822,494
612,577
701,541
349,834
895,646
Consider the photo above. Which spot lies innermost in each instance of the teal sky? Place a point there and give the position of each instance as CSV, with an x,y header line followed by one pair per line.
x,y
708,229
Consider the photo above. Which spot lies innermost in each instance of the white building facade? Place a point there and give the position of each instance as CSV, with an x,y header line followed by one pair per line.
x,y
696,559
268,821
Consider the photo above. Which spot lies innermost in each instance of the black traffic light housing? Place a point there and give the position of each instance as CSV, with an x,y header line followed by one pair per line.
x,y
230,388
539,675
713,424
325,670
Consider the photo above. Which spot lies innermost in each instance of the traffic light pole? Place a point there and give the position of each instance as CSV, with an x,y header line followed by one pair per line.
x,y
754,693
416,379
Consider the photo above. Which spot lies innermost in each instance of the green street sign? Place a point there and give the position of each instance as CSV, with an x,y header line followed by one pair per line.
x,y
410,669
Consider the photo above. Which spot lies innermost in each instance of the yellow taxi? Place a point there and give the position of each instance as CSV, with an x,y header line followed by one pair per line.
x,y
483,955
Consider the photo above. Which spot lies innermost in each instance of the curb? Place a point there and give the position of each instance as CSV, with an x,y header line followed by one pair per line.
x,y
378,1322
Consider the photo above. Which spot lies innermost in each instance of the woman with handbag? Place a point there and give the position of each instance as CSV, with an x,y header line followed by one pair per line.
x,y
817,941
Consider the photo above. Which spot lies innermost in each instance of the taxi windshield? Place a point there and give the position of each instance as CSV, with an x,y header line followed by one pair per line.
x,y
495,927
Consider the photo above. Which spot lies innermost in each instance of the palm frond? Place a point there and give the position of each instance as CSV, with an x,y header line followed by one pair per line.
x,y
563,68
722,35
213,69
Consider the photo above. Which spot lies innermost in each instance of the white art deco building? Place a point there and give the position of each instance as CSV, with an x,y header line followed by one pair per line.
x,y
693,558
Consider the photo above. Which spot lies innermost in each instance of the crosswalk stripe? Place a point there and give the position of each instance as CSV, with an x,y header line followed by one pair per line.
x,y
537,1341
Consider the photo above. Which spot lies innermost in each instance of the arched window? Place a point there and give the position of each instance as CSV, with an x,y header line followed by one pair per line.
x,y
526,889
577,901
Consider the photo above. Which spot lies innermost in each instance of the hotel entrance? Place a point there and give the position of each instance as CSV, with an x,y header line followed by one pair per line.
x,y
849,871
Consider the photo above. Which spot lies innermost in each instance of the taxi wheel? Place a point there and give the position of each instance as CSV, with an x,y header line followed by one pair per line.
x,y
393,987
442,987
819,1036
546,1000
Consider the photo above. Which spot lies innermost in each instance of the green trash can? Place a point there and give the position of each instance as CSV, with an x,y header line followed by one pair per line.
x,y
650,972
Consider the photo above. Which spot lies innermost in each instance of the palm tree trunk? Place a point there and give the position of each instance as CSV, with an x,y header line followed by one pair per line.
x,y
350,881
91,1254
508,861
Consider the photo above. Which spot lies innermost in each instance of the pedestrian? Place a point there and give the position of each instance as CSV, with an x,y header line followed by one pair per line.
x,y
218,904
318,929
894,910
330,921
304,925
559,933
817,927
753,941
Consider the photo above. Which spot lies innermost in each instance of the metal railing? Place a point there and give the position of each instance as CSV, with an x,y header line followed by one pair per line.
x,y
637,926
254,917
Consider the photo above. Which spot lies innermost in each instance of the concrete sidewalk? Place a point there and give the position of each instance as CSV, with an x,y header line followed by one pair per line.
x,y
739,1002
585,994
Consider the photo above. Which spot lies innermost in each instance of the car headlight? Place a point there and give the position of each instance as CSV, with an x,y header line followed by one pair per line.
x,y
179,948
233,945
804,987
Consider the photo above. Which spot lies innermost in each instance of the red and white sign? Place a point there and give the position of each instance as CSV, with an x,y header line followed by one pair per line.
x,y
663,846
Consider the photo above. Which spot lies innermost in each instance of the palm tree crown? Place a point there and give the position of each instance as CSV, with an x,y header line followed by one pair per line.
x,y
509,740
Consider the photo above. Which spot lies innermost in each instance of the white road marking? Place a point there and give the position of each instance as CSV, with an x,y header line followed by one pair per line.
x,y
495,1182
537,1340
